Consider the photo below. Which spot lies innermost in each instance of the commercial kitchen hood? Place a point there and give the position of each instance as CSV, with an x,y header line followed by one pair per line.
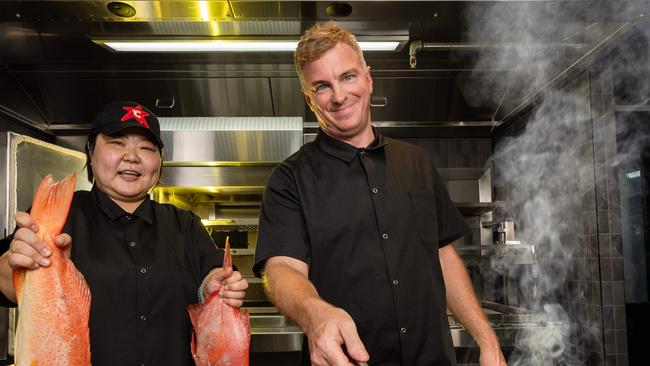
x,y
230,139
213,163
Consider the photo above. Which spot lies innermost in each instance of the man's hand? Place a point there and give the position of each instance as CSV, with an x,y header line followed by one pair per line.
x,y
330,330
492,357
230,285
27,250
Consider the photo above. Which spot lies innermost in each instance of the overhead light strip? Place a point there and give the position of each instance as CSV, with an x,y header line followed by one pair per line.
x,y
225,46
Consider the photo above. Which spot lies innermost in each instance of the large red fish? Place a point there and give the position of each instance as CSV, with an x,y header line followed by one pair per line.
x,y
54,301
221,332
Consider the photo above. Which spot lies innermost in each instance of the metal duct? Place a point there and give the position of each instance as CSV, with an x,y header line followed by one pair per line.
x,y
230,139
224,155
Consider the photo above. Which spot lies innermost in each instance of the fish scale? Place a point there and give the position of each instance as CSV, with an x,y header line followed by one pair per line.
x,y
53,301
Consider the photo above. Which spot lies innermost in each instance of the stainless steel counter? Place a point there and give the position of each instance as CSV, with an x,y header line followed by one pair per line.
x,y
273,332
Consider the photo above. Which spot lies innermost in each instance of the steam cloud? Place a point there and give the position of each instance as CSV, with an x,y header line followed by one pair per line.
x,y
546,173
546,177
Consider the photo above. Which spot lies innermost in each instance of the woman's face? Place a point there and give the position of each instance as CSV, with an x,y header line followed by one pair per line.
x,y
125,166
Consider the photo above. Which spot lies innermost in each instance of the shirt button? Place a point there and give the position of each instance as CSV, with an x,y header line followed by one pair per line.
x,y
143,318
143,270
403,330
384,235
132,243
396,282
362,153
375,190
128,217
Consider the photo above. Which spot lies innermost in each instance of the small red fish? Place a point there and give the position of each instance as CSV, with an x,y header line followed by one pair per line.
x,y
53,301
221,332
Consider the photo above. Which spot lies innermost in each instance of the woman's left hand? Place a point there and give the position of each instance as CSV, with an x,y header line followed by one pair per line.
x,y
230,285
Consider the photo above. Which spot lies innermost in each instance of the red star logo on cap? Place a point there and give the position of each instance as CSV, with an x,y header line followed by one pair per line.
x,y
136,113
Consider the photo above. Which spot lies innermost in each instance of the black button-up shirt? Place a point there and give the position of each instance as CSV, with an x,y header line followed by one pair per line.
x,y
369,222
143,270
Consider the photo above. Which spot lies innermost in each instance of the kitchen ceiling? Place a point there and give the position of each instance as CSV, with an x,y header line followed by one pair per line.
x,y
479,64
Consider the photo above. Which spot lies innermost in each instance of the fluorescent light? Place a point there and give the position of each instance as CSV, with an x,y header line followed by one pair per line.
x,y
223,46
202,46
634,174
378,46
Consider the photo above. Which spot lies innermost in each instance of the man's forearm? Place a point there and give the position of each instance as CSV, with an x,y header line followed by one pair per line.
x,y
461,299
292,293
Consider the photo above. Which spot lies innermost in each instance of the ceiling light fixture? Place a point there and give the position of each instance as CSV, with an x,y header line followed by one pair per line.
x,y
125,45
121,9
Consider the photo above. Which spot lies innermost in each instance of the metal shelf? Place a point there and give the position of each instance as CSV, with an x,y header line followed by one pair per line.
x,y
477,208
242,251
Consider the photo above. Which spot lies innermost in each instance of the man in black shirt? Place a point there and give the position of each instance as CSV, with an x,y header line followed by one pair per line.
x,y
355,230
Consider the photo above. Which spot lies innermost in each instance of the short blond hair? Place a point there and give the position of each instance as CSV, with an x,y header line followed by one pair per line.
x,y
319,39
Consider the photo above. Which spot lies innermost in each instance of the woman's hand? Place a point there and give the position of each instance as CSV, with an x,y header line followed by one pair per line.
x,y
230,285
27,250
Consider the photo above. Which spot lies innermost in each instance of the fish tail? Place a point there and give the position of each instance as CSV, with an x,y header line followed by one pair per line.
x,y
227,257
52,202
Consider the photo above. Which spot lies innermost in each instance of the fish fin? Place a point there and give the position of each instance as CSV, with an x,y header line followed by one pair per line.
x,y
78,282
193,310
51,202
193,344
227,257
245,319
19,281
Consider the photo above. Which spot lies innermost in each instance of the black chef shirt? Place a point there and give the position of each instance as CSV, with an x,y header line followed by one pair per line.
x,y
143,270
369,222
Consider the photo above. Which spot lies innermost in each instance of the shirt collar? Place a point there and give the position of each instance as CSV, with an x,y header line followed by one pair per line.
x,y
343,150
114,211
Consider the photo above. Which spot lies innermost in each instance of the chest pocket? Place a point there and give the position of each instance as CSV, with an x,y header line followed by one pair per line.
x,y
424,215
175,264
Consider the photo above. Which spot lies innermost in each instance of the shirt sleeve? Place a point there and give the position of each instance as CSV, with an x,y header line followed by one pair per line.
x,y
451,225
282,230
4,246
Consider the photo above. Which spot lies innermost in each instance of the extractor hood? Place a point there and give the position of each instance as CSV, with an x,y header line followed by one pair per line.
x,y
225,155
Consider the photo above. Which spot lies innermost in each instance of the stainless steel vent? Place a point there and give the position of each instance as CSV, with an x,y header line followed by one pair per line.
x,y
227,28
212,161
230,139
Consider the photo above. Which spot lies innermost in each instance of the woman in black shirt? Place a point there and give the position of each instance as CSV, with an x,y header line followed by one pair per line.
x,y
144,261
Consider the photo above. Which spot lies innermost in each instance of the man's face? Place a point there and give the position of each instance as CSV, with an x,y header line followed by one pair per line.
x,y
338,88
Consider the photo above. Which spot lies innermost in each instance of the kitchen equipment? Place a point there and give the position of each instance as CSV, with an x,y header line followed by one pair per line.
x,y
238,238
503,231
499,234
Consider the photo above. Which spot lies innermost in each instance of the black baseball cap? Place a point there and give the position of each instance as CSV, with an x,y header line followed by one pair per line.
x,y
117,116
